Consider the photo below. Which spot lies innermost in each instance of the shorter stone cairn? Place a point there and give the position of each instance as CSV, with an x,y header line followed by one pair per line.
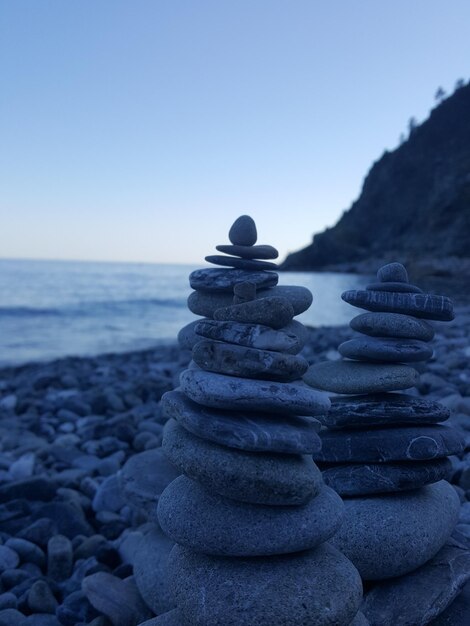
x,y
250,514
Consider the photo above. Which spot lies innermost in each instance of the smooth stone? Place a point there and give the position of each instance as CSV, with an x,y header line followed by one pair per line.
x,y
230,392
215,279
361,378
243,231
256,477
390,535
428,306
396,287
170,618
385,350
360,620
11,617
273,311
404,443
371,478
212,524
392,272
41,599
244,292
59,558
420,596
187,337
392,325
242,264
9,558
319,587
233,360
249,252
382,410
255,432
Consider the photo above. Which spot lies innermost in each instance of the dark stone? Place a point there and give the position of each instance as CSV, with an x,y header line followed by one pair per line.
x,y
40,619
396,287
27,550
187,337
249,252
40,531
170,618
41,599
392,325
59,558
243,231
243,264
244,292
11,617
457,613
69,518
392,272
385,350
428,306
9,559
76,609
223,280
273,311
33,488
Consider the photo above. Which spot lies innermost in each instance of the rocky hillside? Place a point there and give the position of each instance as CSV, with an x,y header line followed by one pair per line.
x,y
414,206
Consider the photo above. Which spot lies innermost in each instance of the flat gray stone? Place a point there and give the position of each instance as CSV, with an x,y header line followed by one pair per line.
x,y
256,432
318,587
273,311
402,443
211,524
363,479
243,264
233,360
230,392
396,287
187,337
243,231
392,272
250,252
391,535
361,378
392,325
427,306
256,477
385,350
223,280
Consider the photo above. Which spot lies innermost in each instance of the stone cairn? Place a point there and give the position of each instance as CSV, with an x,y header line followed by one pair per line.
x,y
386,453
250,513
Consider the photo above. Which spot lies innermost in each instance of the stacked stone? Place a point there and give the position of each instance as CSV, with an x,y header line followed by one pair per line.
x,y
386,452
250,514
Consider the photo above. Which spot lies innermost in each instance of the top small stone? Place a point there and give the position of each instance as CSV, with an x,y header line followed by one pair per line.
x,y
243,231
392,272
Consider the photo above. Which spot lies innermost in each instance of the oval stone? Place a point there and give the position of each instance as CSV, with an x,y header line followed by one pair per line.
x,y
256,477
392,325
428,306
223,280
273,311
187,337
397,287
250,252
243,231
212,524
393,272
242,264
385,350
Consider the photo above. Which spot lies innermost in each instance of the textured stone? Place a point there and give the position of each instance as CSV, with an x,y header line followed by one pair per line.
x,y
9,558
170,618
360,620
457,613
243,264
423,521
243,231
396,287
393,272
428,306
249,252
223,280
233,360
244,292
371,478
59,558
187,337
392,325
361,378
209,523
256,477
230,392
318,587
272,311
385,350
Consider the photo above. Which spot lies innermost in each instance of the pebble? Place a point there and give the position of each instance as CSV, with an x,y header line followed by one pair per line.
x,y
108,496
427,306
209,523
41,599
8,600
249,252
187,337
396,287
59,558
9,559
243,264
27,551
217,280
392,325
272,311
392,272
385,350
170,618
11,617
243,231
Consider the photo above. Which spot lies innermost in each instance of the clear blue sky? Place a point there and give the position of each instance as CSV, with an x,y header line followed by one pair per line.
x,y
139,129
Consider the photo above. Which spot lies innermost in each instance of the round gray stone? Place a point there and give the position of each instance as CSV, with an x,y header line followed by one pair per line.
x,y
243,231
396,287
385,350
273,311
318,587
256,477
223,280
243,264
392,272
230,392
391,535
392,325
427,306
250,252
212,524
361,378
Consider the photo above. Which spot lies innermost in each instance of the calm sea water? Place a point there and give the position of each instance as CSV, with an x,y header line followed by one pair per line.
x,y
50,309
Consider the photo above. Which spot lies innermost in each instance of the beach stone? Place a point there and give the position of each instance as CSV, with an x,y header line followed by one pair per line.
x,y
243,264
360,620
423,520
41,599
9,558
422,595
233,360
319,587
360,378
244,292
383,409
224,280
457,613
205,303
405,443
230,392
108,496
59,558
27,550
243,231
256,432
256,477
385,350
428,306
392,325
187,337
392,272
273,311
249,252
11,617
212,524
170,618
371,478
396,287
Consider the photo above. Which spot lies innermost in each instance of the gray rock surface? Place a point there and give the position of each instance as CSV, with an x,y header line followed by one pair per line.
x,y
243,264
249,252
385,350
223,280
392,325
170,618
243,231
427,306
396,287
273,311
457,613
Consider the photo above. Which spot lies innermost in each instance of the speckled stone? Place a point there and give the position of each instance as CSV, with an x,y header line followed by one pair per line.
x,y
385,350
456,614
396,287
273,311
212,524
423,520
243,264
256,432
256,477
233,360
318,587
360,620
403,443
371,478
187,337
392,272
230,392
427,306
243,231
392,325
361,378
215,280
249,252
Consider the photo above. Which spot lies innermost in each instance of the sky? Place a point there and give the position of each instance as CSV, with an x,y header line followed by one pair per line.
x,y
138,130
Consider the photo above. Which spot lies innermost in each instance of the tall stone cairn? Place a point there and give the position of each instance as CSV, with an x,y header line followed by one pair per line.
x,y
250,513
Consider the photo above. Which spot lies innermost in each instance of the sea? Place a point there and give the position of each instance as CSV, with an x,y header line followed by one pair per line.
x,y
53,309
